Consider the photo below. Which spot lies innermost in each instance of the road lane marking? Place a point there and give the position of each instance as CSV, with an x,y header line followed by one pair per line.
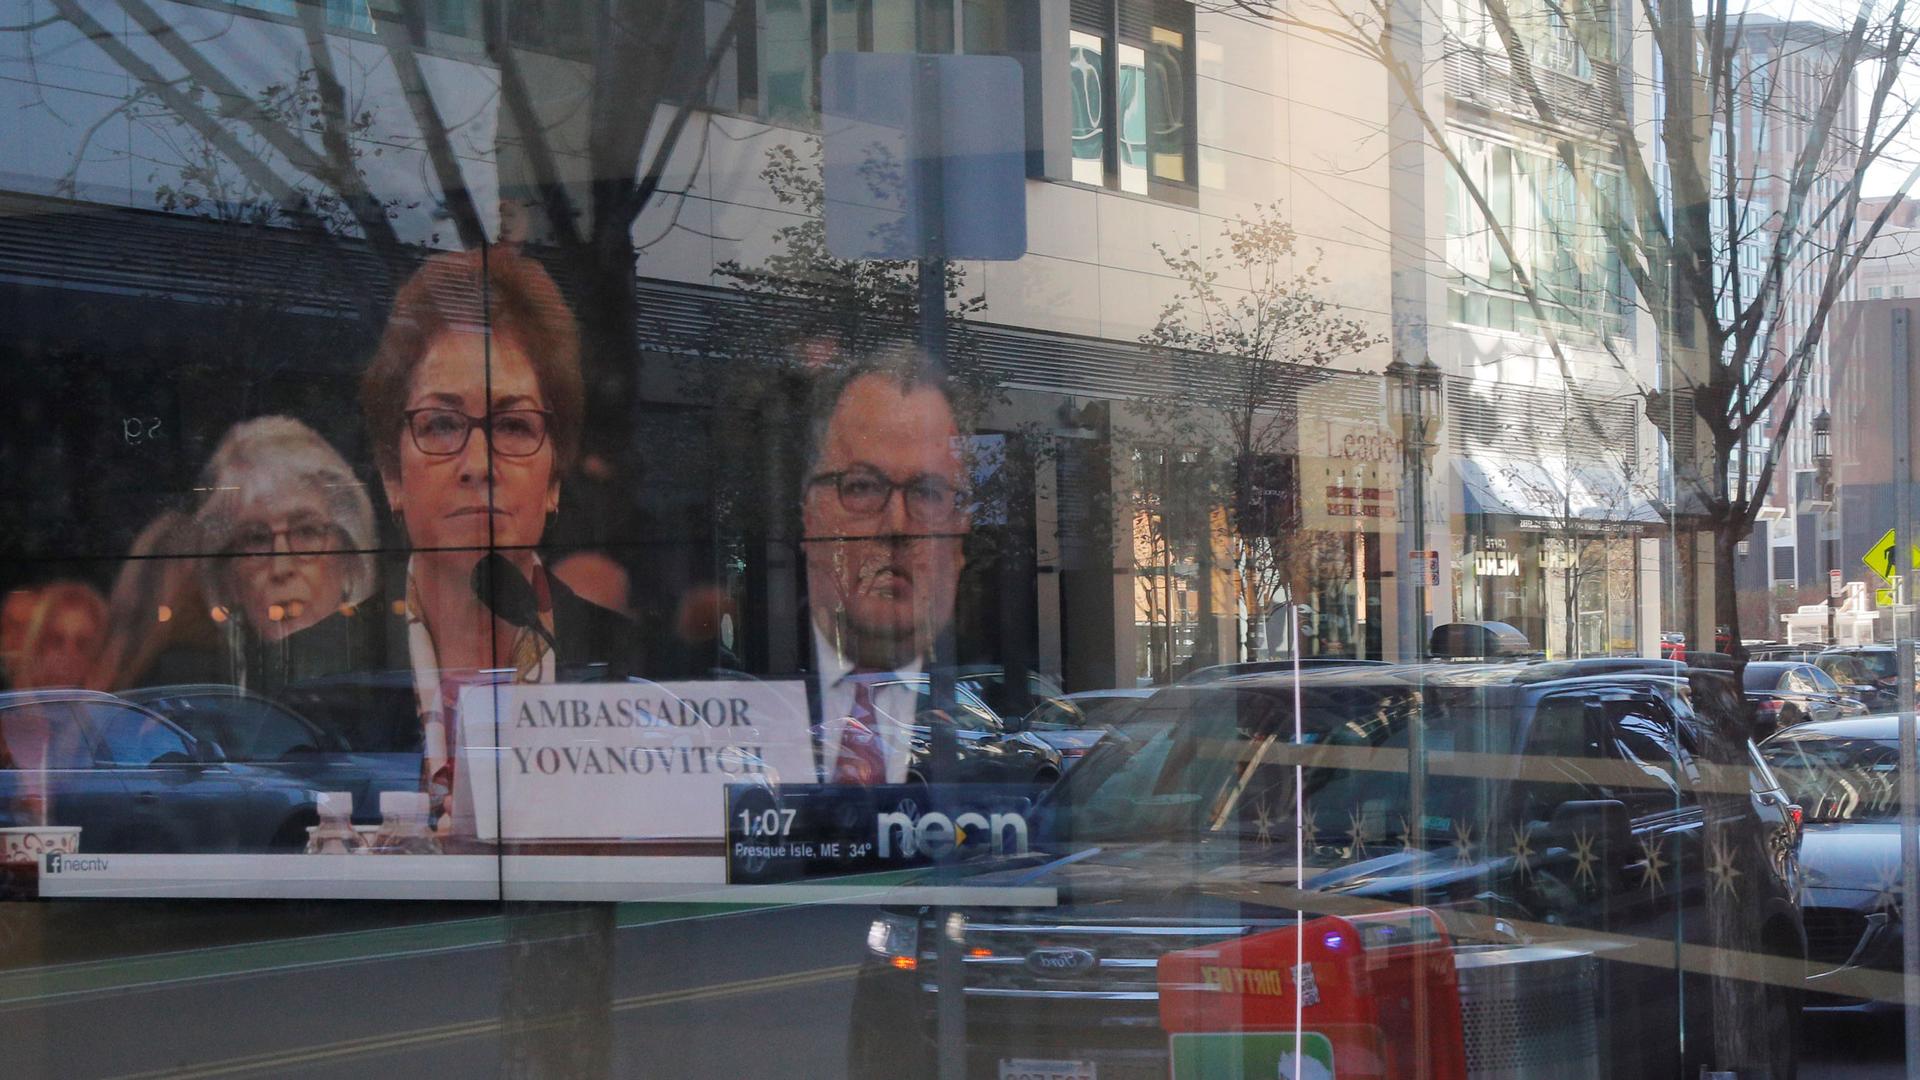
x,y
36,986
279,1060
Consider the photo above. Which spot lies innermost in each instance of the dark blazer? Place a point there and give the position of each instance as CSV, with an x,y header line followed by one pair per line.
x,y
351,671
591,642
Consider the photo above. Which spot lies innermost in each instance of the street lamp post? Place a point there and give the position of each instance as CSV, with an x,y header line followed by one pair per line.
x,y
1823,464
1414,403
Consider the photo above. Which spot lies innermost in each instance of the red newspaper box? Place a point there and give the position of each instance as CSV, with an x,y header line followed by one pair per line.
x,y
1372,997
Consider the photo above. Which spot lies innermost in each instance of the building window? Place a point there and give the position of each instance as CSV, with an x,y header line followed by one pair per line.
x,y
780,50
1548,32
1899,290
1875,292
1783,564
1555,232
1130,66
779,53
1086,64
457,17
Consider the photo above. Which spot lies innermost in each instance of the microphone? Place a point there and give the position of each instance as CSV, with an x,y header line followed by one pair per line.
x,y
506,592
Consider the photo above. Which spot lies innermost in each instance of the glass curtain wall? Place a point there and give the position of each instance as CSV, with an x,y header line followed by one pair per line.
x,y
1098,540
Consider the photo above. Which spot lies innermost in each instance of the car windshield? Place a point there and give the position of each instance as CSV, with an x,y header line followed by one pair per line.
x,y
1880,662
1077,714
1207,763
991,687
1763,676
1838,778
1847,668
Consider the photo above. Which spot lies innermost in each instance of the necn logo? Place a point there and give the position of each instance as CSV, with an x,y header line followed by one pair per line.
x,y
60,863
936,834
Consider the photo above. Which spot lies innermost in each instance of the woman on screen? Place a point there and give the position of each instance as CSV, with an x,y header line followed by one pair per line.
x,y
475,404
288,532
160,629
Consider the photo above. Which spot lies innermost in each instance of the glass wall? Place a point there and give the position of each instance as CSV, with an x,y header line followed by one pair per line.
x,y
958,539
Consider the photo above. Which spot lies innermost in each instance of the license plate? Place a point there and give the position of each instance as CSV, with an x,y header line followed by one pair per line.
x,y
1025,1069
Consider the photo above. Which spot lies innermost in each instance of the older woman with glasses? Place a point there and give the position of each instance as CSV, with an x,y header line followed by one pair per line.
x,y
287,530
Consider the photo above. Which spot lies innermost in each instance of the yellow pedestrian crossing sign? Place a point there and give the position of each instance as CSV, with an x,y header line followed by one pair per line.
x,y
1879,557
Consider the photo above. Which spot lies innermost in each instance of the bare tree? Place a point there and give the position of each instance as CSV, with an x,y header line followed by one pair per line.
x,y
1677,202
1247,332
288,150
802,313
1658,115
649,70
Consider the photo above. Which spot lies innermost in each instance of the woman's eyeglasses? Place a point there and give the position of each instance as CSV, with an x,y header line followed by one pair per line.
x,y
928,499
303,538
511,432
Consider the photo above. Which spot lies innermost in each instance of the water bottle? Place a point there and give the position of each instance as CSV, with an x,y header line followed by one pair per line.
x,y
334,835
403,825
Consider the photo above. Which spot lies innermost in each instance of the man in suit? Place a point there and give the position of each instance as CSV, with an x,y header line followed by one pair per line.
x,y
884,514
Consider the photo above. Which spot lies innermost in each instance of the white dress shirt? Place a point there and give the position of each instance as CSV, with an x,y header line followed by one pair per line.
x,y
894,703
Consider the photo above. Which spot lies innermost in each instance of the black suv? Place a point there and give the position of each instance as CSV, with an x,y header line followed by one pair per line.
x,y
1562,824
1870,672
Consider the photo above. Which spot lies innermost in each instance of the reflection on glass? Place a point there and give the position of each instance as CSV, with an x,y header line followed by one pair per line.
x,y
436,379
62,628
288,529
1840,775
786,59
1085,78
1127,485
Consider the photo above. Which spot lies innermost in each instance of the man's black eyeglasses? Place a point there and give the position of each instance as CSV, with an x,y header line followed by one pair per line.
x,y
928,499
511,432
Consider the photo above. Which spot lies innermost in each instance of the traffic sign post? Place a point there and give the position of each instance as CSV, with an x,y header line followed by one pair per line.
x,y
1425,567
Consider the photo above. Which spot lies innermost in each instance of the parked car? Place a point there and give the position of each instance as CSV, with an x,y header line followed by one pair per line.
x,y
1181,834
1074,723
1784,693
1216,672
1845,776
1673,646
989,683
1545,670
372,712
255,730
1486,641
1774,650
134,781
986,748
1873,668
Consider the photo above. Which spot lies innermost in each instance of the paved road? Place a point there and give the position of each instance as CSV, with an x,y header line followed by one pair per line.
x,y
743,995
755,994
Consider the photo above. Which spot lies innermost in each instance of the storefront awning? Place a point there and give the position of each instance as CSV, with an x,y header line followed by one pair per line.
x,y
1555,493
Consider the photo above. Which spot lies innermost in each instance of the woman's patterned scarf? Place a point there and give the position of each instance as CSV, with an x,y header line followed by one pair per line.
x,y
437,692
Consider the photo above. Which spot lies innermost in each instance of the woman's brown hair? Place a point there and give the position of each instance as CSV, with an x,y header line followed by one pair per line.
x,y
493,290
